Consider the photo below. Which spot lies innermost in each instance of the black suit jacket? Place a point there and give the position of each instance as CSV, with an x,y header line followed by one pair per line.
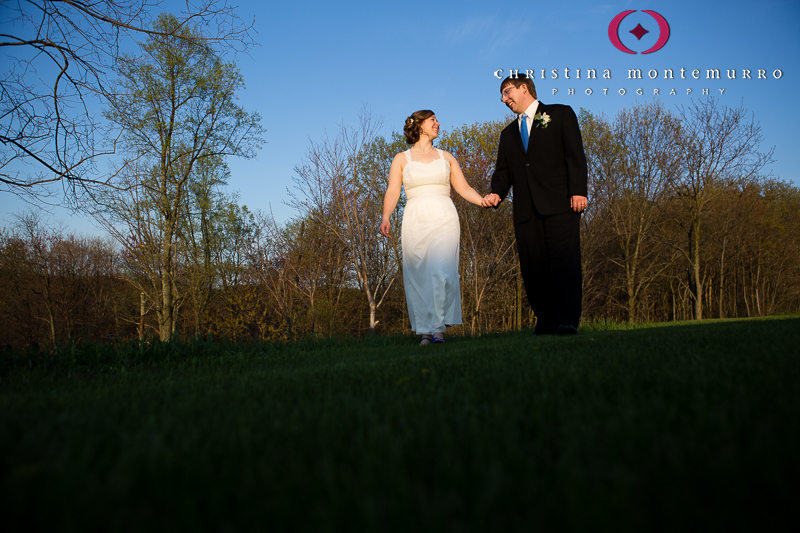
x,y
551,171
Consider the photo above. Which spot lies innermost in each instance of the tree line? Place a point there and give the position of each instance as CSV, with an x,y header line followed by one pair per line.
x,y
682,223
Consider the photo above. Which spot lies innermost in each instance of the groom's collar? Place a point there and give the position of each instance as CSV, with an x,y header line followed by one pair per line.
x,y
531,111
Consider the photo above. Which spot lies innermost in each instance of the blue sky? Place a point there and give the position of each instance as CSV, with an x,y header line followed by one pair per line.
x,y
320,63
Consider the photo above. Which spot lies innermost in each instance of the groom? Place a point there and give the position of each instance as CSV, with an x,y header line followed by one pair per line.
x,y
541,156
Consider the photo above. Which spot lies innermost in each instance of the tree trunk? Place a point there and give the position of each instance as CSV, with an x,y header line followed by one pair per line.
x,y
49,304
722,277
631,294
165,324
372,322
141,316
697,281
756,291
519,300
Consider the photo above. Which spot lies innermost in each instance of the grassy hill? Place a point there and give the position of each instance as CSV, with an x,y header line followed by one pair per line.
x,y
646,428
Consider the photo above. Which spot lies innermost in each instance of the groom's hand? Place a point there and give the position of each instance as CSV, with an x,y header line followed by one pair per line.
x,y
578,203
490,200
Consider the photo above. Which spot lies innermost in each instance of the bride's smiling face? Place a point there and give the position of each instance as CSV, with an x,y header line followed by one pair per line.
x,y
430,127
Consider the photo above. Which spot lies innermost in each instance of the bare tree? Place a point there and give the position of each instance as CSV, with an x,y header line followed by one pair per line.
x,y
633,165
316,262
65,282
341,186
58,57
721,148
272,264
42,263
764,245
603,156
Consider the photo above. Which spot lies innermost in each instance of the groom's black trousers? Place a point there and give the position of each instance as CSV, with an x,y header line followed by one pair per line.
x,y
550,259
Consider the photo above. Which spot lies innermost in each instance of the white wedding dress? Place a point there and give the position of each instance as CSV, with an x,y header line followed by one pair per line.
x,y
430,236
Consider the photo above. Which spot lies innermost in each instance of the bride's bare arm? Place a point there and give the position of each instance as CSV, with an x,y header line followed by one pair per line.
x,y
392,193
459,182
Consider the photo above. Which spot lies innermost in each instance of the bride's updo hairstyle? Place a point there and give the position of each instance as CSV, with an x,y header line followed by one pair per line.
x,y
412,127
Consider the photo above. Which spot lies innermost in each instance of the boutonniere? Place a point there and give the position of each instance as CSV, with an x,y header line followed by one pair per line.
x,y
541,120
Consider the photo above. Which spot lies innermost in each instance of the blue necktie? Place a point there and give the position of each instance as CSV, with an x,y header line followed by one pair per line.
x,y
523,130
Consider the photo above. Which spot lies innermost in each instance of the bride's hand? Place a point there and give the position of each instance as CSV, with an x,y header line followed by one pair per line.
x,y
490,200
385,228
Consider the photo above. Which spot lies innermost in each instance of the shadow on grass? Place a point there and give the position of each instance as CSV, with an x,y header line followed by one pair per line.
x,y
642,429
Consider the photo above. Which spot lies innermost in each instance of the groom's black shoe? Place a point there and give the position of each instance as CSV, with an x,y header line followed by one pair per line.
x,y
567,329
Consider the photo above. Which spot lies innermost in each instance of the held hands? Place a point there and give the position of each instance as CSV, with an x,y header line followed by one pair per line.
x,y
490,200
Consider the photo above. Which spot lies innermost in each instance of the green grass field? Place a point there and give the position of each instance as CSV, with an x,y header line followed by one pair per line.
x,y
649,428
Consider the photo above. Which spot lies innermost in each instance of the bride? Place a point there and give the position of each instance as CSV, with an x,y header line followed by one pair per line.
x,y
430,233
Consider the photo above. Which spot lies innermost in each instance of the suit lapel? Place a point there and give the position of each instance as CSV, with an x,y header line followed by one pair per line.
x,y
535,130
517,137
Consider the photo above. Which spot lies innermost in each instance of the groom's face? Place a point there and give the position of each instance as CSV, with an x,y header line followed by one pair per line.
x,y
517,99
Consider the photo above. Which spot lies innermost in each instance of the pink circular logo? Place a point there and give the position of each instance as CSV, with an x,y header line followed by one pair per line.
x,y
638,32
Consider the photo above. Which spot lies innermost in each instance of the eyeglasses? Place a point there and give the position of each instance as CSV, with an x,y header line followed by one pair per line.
x,y
504,94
